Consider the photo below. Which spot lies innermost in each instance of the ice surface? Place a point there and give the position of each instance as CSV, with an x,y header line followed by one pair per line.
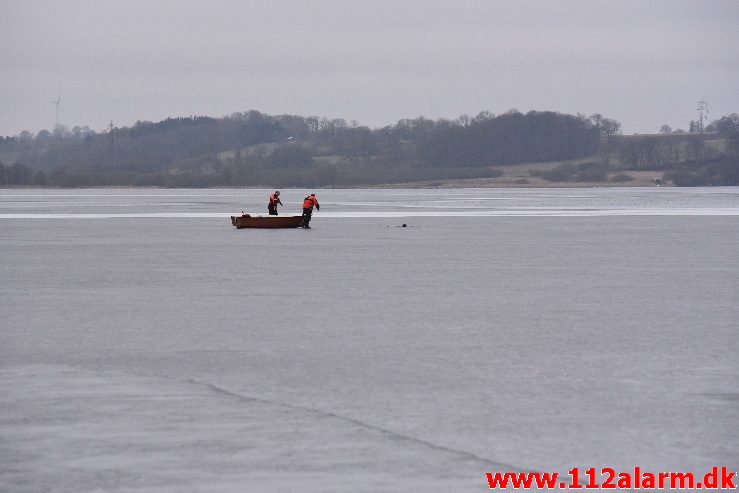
x,y
102,204
71,430
180,354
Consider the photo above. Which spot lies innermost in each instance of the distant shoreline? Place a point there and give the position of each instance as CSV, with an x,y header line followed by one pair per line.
x,y
647,180
407,186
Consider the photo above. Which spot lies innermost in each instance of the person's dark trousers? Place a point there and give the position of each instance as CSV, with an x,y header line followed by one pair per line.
x,y
272,210
307,212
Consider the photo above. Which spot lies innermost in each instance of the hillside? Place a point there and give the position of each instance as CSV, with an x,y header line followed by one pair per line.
x,y
253,149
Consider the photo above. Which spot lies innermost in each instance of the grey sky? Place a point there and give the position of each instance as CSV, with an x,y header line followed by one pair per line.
x,y
643,63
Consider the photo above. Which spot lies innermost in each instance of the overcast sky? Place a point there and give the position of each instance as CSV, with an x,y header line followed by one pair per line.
x,y
643,63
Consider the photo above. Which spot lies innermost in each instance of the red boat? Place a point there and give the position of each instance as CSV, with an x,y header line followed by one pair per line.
x,y
249,221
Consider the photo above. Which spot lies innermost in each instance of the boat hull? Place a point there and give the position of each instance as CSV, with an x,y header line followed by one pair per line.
x,y
269,222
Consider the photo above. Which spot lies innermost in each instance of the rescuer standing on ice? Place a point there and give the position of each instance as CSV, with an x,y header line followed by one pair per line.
x,y
308,204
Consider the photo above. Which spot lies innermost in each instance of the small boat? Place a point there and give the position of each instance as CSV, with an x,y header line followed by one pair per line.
x,y
249,221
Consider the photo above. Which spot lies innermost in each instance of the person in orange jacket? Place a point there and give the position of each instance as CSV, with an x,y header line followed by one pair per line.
x,y
274,199
308,204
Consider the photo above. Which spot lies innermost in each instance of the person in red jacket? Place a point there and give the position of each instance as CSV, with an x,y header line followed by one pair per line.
x,y
308,204
274,199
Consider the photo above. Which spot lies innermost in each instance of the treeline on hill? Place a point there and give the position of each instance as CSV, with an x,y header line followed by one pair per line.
x,y
684,159
251,149
254,149
692,159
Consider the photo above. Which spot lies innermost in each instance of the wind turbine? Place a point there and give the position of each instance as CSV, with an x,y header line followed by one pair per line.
x,y
58,100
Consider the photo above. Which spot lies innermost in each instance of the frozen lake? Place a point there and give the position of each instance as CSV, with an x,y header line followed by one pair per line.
x,y
146,345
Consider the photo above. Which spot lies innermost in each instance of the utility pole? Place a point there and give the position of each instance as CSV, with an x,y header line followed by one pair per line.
x,y
703,112
57,102
110,131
